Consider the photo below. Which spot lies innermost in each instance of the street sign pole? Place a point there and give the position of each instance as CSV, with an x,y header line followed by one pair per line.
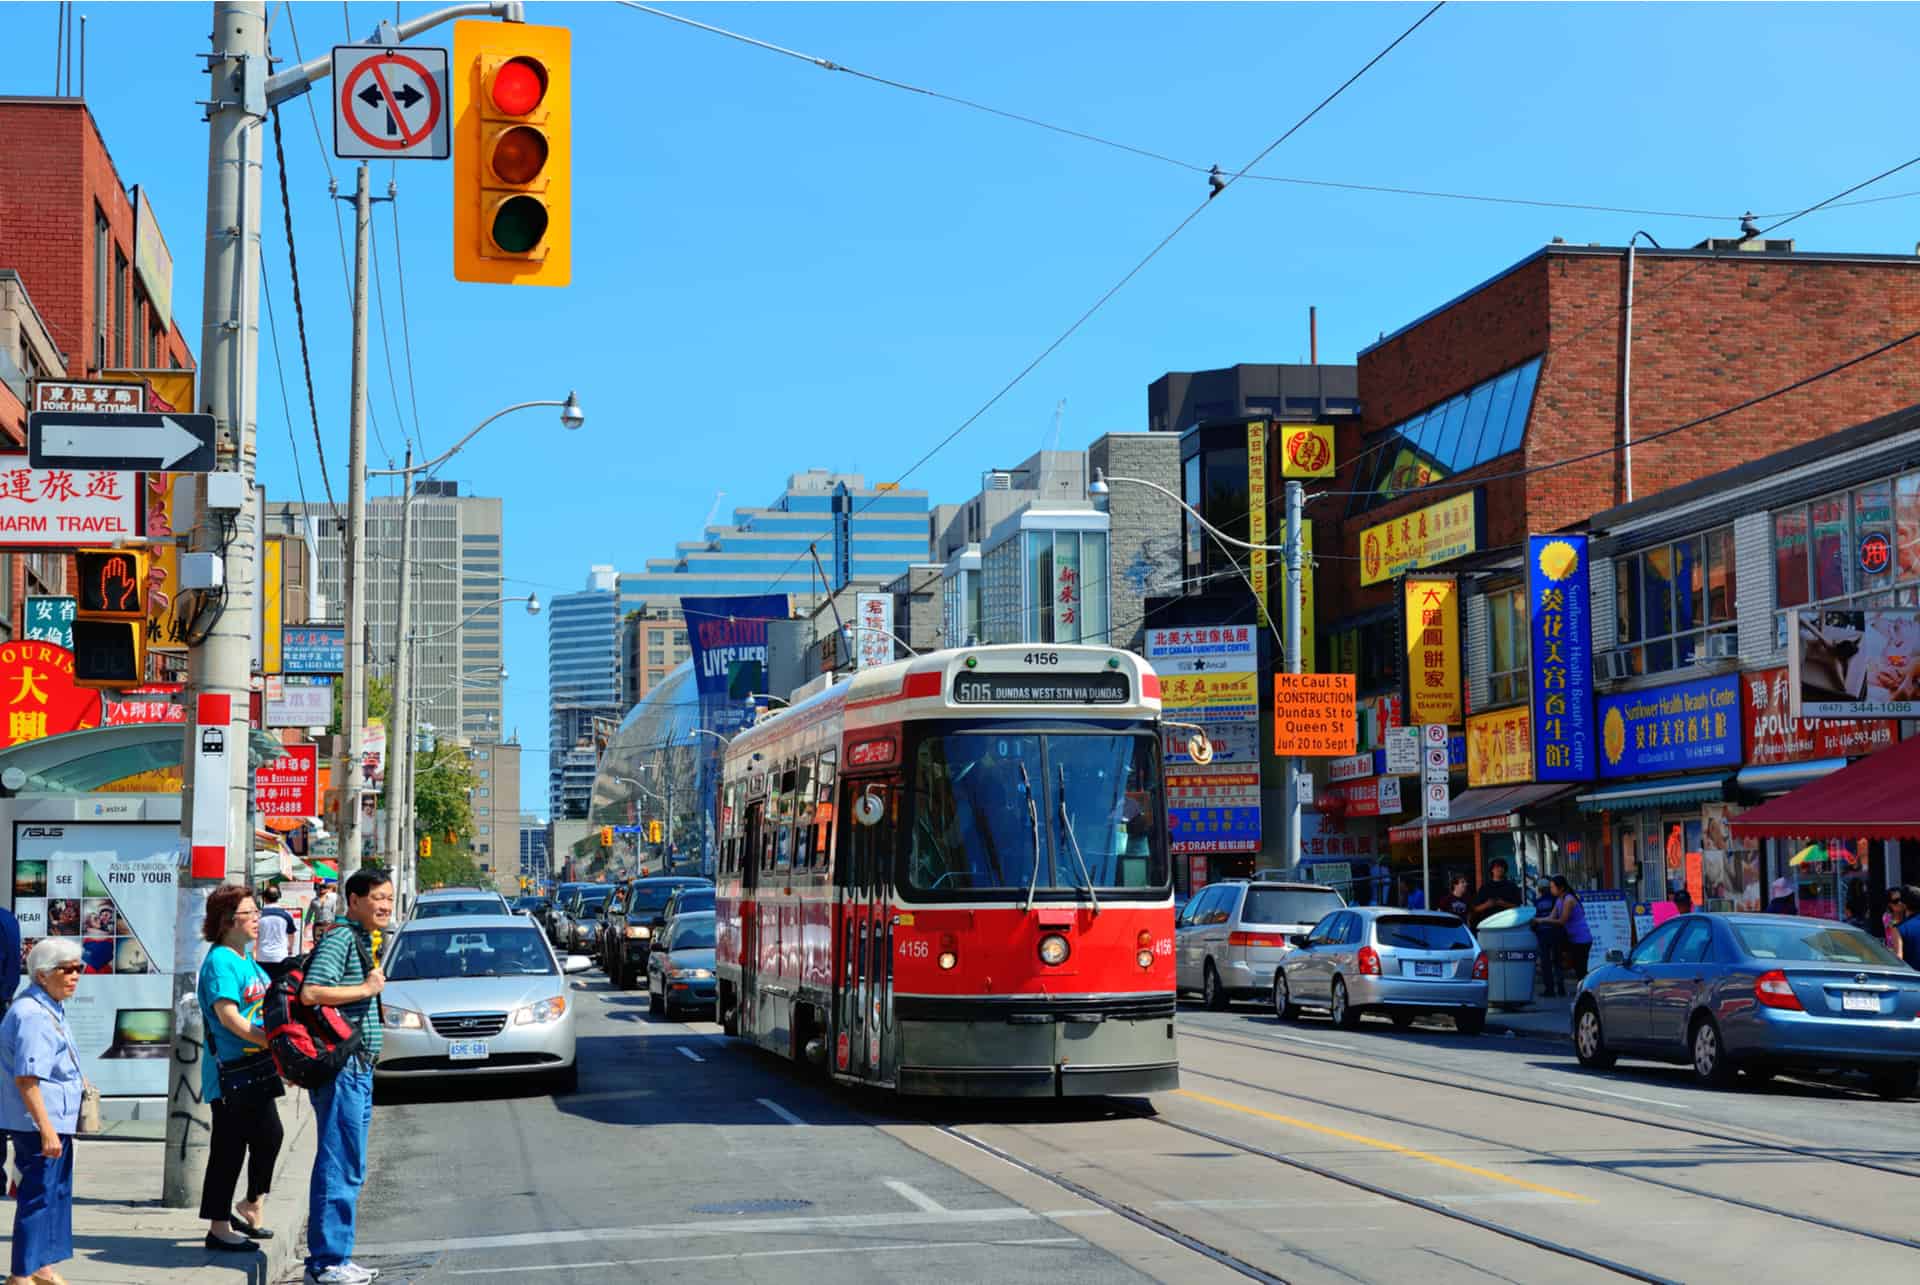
x,y
220,665
353,697
1296,500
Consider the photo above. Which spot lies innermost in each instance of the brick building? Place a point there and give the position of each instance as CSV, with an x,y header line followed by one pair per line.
x,y
85,284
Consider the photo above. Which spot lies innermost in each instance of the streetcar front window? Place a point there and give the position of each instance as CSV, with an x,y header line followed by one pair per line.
x,y
988,806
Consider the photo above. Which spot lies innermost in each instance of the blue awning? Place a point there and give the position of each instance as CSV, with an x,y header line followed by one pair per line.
x,y
1778,778
1642,795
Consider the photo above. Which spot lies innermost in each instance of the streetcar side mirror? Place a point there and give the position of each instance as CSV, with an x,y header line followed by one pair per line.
x,y
871,808
1200,748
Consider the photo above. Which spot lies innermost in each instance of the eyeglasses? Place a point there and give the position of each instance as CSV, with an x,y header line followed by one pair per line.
x,y
69,970
246,914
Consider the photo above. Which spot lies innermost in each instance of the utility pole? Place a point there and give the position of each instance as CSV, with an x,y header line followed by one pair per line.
x,y
220,667
353,552
1296,500
400,761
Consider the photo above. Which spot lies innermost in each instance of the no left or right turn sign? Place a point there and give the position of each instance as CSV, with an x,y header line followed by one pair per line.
x,y
390,103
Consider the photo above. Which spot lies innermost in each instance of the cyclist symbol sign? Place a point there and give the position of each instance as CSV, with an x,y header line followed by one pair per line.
x,y
390,104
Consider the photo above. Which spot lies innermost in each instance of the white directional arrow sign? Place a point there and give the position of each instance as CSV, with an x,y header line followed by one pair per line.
x,y
160,443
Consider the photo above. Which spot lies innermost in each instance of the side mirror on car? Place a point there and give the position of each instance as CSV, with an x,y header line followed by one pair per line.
x,y
576,964
1616,957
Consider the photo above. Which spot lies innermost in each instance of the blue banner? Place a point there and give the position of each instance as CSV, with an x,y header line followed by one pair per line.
x,y
50,620
1560,633
1670,729
728,638
313,649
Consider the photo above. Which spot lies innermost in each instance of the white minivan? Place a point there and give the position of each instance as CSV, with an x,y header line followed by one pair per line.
x,y
1231,936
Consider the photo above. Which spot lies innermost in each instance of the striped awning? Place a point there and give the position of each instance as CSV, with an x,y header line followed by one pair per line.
x,y
1642,796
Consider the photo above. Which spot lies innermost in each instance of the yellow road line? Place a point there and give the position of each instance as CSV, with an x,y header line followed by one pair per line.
x,y
1379,1144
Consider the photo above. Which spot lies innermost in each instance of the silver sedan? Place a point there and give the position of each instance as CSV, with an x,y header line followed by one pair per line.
x,y
1376,959
478,995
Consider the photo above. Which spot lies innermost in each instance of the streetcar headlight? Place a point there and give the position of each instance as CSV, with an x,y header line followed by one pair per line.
x,y
948,959
1146,958
1054,949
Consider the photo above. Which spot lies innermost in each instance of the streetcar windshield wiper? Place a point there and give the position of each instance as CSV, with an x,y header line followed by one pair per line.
x,y
1033,819
1073,841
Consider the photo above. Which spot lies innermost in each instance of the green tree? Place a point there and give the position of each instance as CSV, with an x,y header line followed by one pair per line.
x,y
452,865
443,785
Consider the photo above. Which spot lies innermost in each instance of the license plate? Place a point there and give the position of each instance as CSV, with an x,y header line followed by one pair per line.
x,y
467,1051
1423,968
1859,1002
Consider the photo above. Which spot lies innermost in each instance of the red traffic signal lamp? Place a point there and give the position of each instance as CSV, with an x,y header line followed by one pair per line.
x,y
512,153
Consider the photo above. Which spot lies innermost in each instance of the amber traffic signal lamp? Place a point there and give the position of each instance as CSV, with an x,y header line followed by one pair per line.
x,y
512,153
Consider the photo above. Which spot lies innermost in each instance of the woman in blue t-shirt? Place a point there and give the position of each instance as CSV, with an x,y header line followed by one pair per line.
x,y
246,1118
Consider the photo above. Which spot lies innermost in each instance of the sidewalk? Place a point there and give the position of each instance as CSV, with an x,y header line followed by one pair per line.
x,y
1544,1019
122,1235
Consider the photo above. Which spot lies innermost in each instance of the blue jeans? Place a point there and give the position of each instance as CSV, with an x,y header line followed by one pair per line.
x,y
342,1111
43,1215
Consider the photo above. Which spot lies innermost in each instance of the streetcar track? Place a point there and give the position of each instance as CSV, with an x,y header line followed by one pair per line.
x,y
1523,1149
1269,1044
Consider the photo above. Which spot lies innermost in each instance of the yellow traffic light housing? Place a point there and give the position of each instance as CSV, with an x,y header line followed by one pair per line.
x,y
426,846
606,836
512,153
653,832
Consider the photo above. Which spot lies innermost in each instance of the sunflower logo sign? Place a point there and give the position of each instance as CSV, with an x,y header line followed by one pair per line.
x,y
1562,645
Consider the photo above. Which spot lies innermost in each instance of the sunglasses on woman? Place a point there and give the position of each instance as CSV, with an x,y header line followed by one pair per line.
x,y
70,969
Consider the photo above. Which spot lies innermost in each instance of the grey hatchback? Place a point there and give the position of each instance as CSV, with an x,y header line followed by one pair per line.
x,y
1755,994
1380,959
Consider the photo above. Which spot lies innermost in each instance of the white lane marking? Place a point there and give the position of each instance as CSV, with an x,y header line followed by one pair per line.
x,y
772,1253
689,1053
1319,1044
715,1227
914,1196
1581,1086
781,1111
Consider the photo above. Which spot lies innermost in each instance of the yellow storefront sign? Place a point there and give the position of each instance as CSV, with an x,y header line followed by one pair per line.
x,y
1306,450
1433,650
1257,514
1500,747
1422,538
1211,695
166,496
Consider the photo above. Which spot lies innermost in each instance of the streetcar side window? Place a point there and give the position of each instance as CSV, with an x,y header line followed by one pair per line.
x,y
824,784
803,815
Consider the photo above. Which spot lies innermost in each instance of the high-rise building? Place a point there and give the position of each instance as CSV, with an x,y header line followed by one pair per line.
x,y
651,644
859,533
583,684
496,812
533,847
456,590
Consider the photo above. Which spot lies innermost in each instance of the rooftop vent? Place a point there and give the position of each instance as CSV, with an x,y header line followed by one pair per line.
x,y
999,482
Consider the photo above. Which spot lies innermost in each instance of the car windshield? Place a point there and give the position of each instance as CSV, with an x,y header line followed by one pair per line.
x,y
447,908
1422,932
1288,906
1812,941
438,953
590,905
650,897
693,934
977,796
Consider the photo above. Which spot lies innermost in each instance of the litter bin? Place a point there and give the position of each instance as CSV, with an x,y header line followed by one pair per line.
x,y
1512,953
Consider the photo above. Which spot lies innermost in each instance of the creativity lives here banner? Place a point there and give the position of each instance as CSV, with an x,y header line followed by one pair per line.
x,y
728,638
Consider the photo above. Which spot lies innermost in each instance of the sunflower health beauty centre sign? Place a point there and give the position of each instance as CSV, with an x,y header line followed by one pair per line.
x,y
1560,624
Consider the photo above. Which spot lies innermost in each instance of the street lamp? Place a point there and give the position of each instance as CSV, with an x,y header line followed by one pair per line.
x,y
1296,501
353,697
708,731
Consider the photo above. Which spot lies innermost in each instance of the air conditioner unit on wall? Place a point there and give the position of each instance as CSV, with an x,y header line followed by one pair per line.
x,y
1611,666
1723,647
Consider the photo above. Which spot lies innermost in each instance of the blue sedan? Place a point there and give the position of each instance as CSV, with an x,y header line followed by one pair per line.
x,y
1755,994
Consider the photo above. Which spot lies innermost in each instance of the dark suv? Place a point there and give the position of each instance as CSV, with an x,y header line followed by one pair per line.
x,y
626,957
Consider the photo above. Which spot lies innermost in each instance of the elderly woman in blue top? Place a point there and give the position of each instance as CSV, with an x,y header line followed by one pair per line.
x,y
40,1109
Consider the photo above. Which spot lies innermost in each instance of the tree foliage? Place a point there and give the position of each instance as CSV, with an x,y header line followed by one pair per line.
x,y
443,785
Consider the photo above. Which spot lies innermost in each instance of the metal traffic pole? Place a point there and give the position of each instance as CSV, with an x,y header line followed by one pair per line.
x,y
1296,500
353,696
220,666
399,762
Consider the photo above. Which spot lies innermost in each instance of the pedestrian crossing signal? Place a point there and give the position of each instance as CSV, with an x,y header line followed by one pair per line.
x,y
512,153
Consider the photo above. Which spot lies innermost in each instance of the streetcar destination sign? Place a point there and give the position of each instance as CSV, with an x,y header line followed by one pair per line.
x,y
1104,688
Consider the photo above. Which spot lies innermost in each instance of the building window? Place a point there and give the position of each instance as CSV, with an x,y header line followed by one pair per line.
x,y
1671,598
1465,431
102,241
121,328
1508,644
1863,544
656,656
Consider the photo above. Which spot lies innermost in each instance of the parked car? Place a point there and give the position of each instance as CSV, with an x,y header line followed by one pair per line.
x,y
1756,994
640,924
680,968
477,995
440,903
575,926
1229,938
1380,959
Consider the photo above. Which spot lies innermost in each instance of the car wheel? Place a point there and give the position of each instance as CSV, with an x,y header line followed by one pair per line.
x,y
1470,1021
1343,1013
1711,1065
1213,996
1590,1040
1893,1085
654,1003
1283,1006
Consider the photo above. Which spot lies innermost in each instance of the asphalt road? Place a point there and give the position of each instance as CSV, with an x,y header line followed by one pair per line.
x,y
1295,1153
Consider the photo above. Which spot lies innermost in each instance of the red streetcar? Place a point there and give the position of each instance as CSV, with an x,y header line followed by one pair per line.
x,y
949,875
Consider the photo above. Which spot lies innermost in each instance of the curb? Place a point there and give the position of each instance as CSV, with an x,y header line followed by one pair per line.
x,y
281,1255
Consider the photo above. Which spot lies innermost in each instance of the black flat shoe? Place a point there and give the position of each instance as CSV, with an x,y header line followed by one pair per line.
x,y
219,1246
248,1230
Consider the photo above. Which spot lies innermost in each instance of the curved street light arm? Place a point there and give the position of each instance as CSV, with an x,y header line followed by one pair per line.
x,y
469,617
434,463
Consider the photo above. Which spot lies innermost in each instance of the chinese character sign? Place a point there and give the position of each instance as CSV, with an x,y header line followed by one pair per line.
x,y
1560,633
1500,748
167,496
873,639
1672,728
1774,735
1433,651
313,649
1257,514
1423,538
287,786
37,695
1306,450
50,620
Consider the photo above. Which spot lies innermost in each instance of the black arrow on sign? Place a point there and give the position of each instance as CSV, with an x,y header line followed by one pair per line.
x,y
406,94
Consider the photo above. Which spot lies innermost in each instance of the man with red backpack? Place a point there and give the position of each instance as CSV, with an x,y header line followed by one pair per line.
x,y
343,973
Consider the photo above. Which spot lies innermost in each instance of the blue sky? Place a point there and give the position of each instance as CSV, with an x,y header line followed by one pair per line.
x,y
779,267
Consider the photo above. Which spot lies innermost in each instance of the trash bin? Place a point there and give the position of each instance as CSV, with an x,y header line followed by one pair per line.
x,y
1512,951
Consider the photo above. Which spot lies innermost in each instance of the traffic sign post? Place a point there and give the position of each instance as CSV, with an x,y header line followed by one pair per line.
x,y
120,440
1439,802
1433,739
390,104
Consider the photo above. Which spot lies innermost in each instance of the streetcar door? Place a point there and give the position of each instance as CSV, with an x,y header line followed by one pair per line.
x,y
750,915
866,925
849,955
877,1007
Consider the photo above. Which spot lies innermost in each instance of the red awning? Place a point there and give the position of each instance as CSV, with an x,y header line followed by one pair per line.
x,y
1876,798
